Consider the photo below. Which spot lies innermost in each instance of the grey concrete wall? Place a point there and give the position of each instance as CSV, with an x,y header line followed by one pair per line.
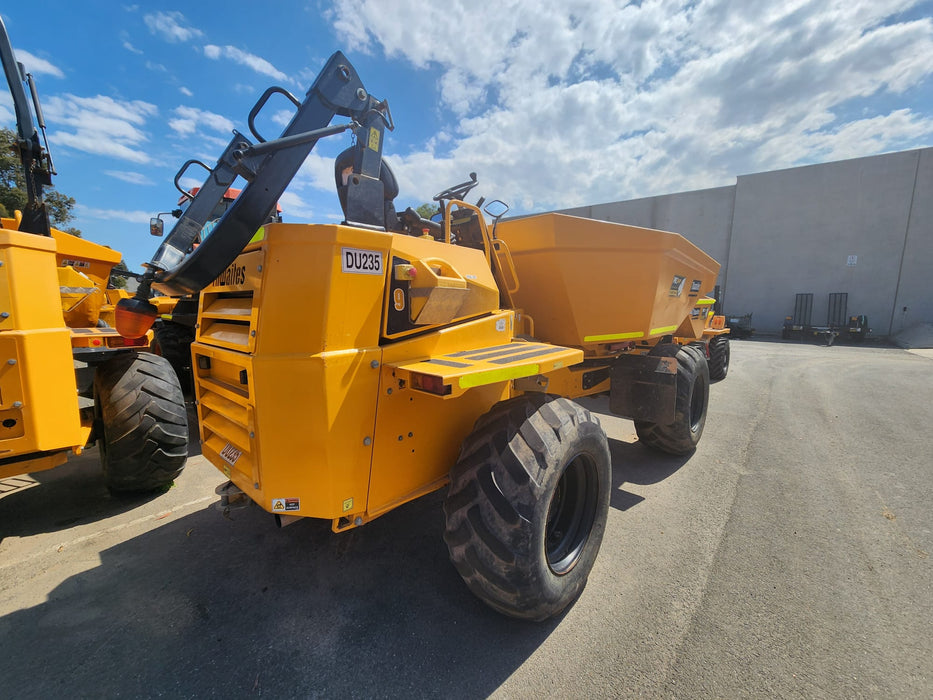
x,y
795,230
914,302
861,226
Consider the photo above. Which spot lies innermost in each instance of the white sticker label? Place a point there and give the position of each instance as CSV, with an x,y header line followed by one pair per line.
x,y
361,262
500,325
230,454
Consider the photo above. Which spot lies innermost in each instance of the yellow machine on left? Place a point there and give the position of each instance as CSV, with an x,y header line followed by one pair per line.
x,y
67,378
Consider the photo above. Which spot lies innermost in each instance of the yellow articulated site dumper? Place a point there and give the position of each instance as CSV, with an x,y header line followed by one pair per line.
x,y
343,370
58,344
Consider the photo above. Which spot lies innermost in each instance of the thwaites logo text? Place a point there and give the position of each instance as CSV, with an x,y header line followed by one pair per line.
x,y
232,276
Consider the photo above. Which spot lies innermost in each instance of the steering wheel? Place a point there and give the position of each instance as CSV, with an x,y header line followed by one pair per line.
x,y
457,191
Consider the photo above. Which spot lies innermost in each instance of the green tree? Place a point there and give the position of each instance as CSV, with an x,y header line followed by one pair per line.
x,y
13,186
119,281
426,211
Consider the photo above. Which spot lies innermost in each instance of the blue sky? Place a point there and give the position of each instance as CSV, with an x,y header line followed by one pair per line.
x,y
553,103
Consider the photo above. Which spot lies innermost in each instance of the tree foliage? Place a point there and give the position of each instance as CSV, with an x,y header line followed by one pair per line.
x,y
118,281
426,211
13,186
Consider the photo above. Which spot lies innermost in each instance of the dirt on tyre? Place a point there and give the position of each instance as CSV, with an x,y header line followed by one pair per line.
x,y
142,424
719,356
692,399
528,503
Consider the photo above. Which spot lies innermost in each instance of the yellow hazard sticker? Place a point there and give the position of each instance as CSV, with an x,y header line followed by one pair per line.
x,y
347,504
374,139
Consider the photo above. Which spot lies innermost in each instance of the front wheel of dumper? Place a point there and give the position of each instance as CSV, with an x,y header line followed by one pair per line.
x,y
692,398
528,503
719,355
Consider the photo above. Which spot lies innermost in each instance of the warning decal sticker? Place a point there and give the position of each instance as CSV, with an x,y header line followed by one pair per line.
x,y
677,286
280,505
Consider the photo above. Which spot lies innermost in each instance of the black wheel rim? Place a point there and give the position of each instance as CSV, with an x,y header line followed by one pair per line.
x,y
571,514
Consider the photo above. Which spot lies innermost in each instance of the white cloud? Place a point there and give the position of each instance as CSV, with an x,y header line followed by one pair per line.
x,y
185,91
596,101
295,208
132,49
256,63
38,66
100,125
188,119
135,216
130,177
171,26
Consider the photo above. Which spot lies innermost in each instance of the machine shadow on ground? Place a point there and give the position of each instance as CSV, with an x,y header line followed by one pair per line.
x,y
69,495
634,464
207,603
73,494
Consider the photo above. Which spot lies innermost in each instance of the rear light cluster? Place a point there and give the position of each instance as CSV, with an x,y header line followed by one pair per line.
x,y
429,383
120,342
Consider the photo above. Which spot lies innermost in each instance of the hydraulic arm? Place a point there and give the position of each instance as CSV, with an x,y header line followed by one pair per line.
x,y
37,164
268,167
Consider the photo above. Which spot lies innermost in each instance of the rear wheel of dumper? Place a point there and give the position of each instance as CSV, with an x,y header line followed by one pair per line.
x,y
681,436
719,355
528,503
142,424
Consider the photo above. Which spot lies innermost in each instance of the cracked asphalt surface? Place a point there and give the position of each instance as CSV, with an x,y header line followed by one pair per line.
x,y
788,557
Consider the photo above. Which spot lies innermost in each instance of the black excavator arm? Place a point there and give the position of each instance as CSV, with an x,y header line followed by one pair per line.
x,y
37,164
268,167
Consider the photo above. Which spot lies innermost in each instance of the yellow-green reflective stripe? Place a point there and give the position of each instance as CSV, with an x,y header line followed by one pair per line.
x,y
166,317
259,235
612,336
663,329
497,375
706,302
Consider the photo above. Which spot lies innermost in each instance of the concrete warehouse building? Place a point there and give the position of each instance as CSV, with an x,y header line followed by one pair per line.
x,y
861,226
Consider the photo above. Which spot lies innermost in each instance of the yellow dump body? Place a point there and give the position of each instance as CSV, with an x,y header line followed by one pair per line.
x,y
593,284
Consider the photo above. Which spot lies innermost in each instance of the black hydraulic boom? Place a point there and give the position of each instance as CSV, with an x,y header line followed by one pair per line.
x,y
268,167
37,164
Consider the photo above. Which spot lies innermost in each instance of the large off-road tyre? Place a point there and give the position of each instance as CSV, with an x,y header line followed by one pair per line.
x,y
719,355
681,436
528,503
142,424
173,342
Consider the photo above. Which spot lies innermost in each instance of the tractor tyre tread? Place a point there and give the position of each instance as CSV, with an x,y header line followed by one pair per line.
x,y
719,357
173,342
497,504
681,436
143,424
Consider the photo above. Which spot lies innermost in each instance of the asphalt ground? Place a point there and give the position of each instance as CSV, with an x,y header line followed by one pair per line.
x,y
788,557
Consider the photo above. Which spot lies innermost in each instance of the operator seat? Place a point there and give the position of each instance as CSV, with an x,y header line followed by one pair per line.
x,y
343,168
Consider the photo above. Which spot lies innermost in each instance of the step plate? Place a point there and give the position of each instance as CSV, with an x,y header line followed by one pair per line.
x,y
452,374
